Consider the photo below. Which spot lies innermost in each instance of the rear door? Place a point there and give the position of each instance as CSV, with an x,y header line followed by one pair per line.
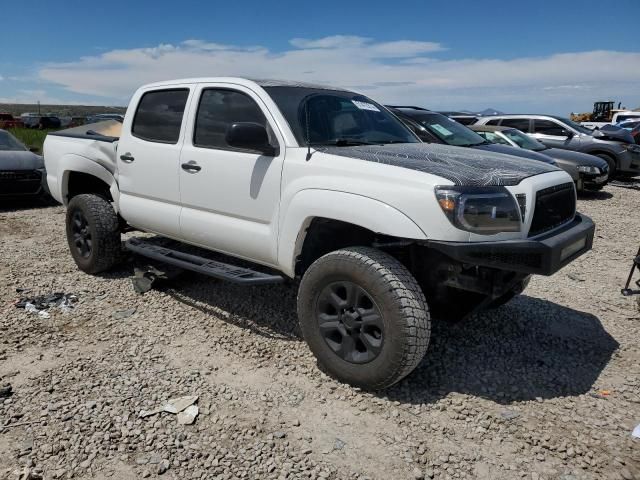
x,y
552,133
230,197
522,124
148,160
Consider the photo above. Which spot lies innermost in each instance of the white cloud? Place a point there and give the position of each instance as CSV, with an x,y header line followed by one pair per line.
x,y
36,95
395,71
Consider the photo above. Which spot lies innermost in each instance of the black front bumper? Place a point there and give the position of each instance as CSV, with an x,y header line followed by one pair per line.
x,y
543,255
594,180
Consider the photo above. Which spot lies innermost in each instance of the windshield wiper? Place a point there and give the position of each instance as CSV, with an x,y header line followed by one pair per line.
x,y
344,142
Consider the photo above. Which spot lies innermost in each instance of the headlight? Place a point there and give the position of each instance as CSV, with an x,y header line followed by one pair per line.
x,y
482,210
633,148
588,169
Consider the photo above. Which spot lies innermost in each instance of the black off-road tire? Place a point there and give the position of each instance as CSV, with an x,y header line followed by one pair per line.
x,y
102,228
399,300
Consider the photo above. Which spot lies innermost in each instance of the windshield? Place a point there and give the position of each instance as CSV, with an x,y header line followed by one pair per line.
x,y
493,137
335,117
8,142
523,141
574,125
447,130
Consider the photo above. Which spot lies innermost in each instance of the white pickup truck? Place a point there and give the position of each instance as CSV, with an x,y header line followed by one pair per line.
x,y
619,116
328,188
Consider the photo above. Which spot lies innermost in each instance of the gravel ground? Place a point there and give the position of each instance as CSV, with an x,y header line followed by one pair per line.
x,y
546,387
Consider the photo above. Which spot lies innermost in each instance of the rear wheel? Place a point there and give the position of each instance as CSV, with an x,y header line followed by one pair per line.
x,y
93,233
364,317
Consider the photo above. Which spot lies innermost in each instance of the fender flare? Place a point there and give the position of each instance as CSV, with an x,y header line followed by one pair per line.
x,y
76,163
358,210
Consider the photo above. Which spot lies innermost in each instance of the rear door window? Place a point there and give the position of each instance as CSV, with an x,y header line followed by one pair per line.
x,y
521,124
495,121
159,115
547,127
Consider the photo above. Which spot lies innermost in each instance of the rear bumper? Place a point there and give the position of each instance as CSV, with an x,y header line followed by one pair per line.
x,y
543,255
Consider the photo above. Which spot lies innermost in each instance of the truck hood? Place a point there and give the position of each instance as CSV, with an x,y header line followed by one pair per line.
x,y
20,160
462,166
577,158
517,152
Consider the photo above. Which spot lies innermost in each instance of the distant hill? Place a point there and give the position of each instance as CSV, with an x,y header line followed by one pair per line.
x,y
490,111
65,110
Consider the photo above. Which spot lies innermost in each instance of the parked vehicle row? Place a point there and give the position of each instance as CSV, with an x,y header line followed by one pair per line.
x,y
383,231
615,145
53,121
586,171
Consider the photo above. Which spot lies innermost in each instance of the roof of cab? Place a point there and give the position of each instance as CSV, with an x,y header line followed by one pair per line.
x,y
489,128
247,82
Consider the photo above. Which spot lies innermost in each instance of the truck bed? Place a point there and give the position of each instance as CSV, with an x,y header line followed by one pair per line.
x,y
96,142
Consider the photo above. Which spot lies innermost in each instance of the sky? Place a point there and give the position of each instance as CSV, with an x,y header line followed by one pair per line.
x,y
534,57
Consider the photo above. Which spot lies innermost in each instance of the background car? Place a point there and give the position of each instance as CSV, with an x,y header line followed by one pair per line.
x,y
9,121
591,172
629,124
433,127
616,146
462,117
21,170
101,117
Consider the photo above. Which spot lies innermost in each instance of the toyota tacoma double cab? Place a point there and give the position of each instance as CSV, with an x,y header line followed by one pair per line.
x,y
325,187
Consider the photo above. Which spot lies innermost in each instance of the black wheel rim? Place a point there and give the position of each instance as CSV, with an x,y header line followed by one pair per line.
x,y
81,233
350,322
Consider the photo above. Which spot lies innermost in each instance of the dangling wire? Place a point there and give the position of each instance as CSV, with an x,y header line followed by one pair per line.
x,y
308,135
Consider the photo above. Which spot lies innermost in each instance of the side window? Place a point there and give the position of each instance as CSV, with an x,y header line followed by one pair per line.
x,y
547,127
218,110
521,124
159,115
495,121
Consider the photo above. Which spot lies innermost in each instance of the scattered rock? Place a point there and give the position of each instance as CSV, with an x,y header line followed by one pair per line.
x,y
176,405
339,444
122,314
188,415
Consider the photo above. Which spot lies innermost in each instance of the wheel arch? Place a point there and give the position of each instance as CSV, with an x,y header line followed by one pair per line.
x,y
82,175
345,219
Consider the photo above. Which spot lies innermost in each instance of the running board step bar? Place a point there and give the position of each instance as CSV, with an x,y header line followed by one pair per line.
x,y
205,266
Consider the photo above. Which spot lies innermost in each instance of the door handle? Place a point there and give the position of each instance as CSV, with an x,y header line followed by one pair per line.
x,y
191,167
127,158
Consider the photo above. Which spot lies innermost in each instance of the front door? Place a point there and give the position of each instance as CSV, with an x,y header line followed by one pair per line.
x,y
554,134
230,197
148,157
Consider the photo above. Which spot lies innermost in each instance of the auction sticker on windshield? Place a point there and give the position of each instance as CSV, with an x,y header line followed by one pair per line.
x,y
365,106
441,129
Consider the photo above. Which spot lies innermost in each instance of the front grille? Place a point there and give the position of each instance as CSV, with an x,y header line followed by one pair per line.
x,y
19,182
506,257
554,206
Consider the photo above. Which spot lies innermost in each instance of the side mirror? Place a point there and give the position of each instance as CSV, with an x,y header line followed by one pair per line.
x,y
568,133
250,136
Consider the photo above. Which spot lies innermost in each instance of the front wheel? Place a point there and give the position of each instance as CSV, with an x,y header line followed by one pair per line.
x,y
93,233
611,161
364,317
